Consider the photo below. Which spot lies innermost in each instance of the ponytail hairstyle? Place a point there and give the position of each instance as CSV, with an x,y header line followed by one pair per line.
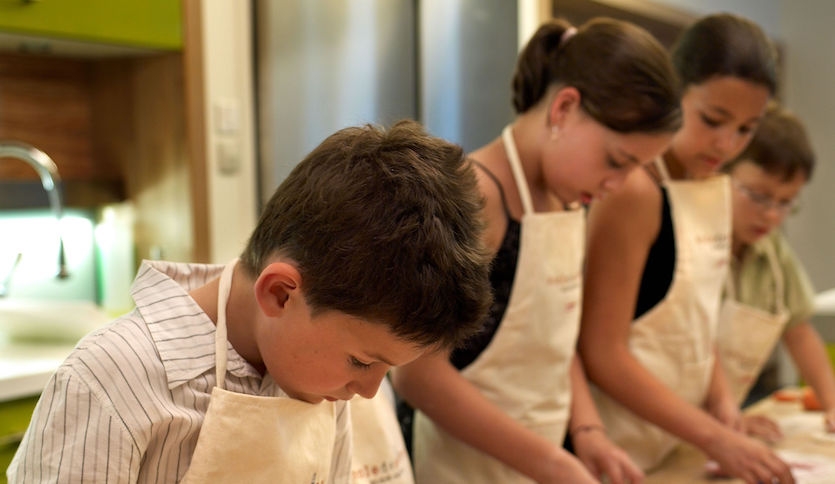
x,y
725,45
625,78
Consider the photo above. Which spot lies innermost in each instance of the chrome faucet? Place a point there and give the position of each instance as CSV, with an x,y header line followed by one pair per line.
x,y
48,172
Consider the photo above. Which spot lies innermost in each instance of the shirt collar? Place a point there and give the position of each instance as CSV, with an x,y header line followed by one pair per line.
x,y
758,249
183,334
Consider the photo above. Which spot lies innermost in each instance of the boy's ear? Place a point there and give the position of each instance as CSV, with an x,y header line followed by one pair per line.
x,y
566,99
274,286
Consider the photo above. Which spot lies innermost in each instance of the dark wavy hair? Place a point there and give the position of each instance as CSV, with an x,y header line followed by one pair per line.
x,y
725,45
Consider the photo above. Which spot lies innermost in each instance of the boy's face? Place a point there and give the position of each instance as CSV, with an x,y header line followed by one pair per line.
x,y
761,201
332,356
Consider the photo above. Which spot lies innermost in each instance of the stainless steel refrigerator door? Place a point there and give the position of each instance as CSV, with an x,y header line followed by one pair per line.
x,y
323,65
467,56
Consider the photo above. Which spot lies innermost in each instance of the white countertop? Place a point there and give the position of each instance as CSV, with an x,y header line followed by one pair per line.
x,y
825,303
36,336
25,368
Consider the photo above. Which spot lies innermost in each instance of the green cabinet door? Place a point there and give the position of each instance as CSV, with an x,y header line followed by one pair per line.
x,y
142,23
14,418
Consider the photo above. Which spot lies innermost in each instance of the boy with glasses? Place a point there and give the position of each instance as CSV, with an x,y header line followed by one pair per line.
x,y
768,295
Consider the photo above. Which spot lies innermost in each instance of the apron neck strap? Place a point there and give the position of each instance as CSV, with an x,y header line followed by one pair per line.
x,y
776,274
516,166
220,333
730,287
662,169
778,278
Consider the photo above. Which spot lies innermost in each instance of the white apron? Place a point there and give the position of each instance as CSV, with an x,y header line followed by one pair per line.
x,y
675,340
525,368
379,452
254,439
747,334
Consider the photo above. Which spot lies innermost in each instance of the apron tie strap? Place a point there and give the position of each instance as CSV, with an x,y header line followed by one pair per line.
x,y
220,332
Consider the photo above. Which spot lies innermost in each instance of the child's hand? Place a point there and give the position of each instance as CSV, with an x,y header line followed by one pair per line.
x,y
810,399
602,457
829,420
750,460
727,412
563,467
763,428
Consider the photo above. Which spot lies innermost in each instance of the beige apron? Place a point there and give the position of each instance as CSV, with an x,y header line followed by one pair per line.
x,y
675,340
747,334
379,452
525,368
254,439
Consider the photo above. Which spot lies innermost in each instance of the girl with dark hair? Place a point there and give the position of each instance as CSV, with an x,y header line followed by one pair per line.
x,y
592,104
658,255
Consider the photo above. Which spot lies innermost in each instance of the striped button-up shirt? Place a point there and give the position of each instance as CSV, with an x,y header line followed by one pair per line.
x,y
128,403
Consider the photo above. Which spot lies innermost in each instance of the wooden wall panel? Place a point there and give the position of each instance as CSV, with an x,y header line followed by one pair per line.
x,y
661,20
116,129
159,182
45,102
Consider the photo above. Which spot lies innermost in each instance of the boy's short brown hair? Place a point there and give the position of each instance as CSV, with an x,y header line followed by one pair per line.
x,y
384,226
780,146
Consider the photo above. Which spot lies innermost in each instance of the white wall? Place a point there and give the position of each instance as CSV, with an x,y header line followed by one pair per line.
x,y
765,12
809,91
805,30
228,71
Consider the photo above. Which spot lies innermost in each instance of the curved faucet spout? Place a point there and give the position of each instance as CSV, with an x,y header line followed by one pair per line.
x,y
48,172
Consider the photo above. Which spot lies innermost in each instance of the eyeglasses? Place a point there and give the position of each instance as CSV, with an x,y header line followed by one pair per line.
x,y
765,202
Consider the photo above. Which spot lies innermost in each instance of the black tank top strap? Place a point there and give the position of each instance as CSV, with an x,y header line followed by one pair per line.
x,y
498,185
502,275
659,268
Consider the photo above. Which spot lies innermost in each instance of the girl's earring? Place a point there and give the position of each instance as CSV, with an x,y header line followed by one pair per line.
x,y
554,132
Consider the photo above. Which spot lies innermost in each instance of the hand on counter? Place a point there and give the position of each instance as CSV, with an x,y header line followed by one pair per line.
x,y
807,397
829,421
603,458
763,428
811,402
804,447
727,411
748,459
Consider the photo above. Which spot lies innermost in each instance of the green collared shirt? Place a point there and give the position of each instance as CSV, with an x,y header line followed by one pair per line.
x,y
754,279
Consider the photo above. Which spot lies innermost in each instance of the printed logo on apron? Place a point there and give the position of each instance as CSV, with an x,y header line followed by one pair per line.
x,y
747,335
379,452
525,368
255,439
675,340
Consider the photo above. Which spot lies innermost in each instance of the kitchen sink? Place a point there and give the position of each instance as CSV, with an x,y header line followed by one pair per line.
x,y
48,321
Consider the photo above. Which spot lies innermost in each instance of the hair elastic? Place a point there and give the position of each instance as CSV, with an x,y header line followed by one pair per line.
x,y
569,32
